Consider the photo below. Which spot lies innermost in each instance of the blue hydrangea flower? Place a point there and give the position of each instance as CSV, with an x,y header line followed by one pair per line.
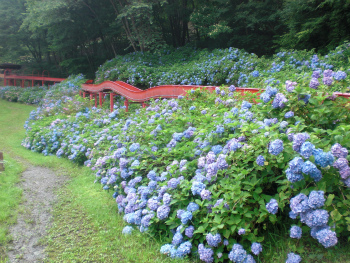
x,y
189,231
221,162
310,168
339,75
192,108
276,147
197,188
246,105
299,204
265,97
216,149
166,199
177,239
255,73
293,176
316,218
237,254
272,206
192,207
185,217
205,254
293,258
213,240
168,249
134,147
289,114
271,91
203,112
307,149
316,199
322,158
256,248
184,249
211,157
163,212
295,232
241,231
260,160
127,230
327,237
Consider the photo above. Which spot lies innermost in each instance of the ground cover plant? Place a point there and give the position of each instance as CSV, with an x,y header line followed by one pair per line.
x,y
210,173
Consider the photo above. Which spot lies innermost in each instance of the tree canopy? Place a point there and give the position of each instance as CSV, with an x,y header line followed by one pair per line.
x,y
73,36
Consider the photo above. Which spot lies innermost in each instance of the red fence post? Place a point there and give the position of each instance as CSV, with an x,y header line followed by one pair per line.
x,y
111,97
100,96
126,104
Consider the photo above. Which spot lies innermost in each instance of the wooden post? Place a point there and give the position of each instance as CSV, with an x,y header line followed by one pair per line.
x,y
2,168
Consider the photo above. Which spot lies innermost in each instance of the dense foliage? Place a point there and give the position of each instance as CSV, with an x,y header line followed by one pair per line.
x,y
212,172
67,37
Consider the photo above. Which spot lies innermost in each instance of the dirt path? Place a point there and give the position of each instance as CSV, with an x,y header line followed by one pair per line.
x,y
39,194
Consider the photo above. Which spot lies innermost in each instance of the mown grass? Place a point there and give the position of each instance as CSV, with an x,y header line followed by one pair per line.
x,y
86,225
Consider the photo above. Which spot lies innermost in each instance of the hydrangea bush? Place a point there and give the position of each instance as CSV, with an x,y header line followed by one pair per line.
x,y
189,66
211,172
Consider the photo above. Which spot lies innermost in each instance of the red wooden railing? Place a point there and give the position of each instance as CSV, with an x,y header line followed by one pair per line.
x,y
11,79
134,94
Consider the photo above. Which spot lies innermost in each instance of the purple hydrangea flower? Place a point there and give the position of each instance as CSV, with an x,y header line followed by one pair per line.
x,y
316,74
344,174
295,232
276,147
298,140
232,88
296,165
272,206
203,112
189,231
327,81
314,83
279,101
221,162
339,151
290,86
328,73
205,194
197,188
211,157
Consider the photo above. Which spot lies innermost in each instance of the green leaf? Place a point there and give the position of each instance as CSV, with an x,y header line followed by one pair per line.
x,y
329,200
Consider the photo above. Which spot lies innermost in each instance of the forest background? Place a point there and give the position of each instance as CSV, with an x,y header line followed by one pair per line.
x,y
76,36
